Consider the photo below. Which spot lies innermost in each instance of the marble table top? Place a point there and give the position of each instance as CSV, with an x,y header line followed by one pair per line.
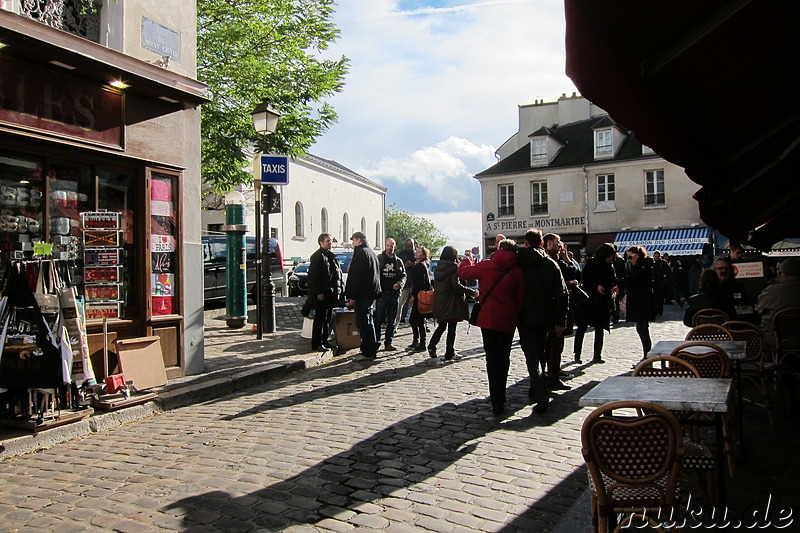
x,y
735,349
676,394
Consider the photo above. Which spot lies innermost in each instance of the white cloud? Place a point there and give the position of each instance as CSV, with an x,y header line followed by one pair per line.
x,y
462,228
445,170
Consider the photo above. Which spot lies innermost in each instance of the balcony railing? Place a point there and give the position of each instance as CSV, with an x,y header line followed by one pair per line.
x,y
79,17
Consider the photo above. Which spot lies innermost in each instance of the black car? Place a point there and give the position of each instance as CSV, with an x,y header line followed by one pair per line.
x,y
215,252
298,280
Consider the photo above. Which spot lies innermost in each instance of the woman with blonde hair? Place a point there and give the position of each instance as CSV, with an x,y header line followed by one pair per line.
x,y
420,277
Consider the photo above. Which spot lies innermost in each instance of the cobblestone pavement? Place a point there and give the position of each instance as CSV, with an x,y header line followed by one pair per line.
x,y
407,443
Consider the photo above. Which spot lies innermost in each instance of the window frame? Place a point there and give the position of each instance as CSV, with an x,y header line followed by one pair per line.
x,y
505,200
654,180
539,199
603,147
610,186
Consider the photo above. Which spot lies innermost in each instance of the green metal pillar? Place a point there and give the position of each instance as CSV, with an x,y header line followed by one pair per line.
x,y
236,261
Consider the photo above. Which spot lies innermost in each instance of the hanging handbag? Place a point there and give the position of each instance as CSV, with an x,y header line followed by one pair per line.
x,y
577,296
425,302
45,289
476,307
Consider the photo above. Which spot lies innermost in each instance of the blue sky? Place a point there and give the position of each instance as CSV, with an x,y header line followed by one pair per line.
x,y
433,90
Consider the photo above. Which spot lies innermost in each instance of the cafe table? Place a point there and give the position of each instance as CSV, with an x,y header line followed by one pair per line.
x,y
701,395
737,352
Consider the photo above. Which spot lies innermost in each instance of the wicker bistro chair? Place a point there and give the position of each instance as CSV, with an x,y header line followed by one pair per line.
x,y
711,361
697,458
759,366
709,315
633,462
786,328
709,332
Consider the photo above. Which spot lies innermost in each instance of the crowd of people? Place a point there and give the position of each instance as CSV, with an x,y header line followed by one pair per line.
x,y
537,290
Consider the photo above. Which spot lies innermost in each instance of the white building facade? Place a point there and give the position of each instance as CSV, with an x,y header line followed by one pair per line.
x,y
571,170
322,197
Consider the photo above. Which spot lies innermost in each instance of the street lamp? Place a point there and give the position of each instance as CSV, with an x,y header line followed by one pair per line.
x,y
265,121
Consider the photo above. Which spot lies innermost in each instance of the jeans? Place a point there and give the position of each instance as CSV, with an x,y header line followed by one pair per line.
x,y
497,345
402,304
643,329
322,319
449,341
366,327
580,331
533,341
386,313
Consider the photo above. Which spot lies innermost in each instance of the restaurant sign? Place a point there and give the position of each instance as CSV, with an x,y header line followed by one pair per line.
x,y
38,98
546,224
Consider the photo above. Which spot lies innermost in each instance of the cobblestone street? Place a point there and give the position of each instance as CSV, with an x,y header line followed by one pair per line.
x,y
405,444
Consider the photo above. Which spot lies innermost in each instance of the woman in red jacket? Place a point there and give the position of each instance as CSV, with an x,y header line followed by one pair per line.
x,y
502,293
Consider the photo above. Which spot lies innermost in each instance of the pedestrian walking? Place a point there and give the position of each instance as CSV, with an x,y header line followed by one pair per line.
x,y
407,256
362,288
393,279
450,304
557,251
500,306
420,277
545,309
324,290
639,303
599,282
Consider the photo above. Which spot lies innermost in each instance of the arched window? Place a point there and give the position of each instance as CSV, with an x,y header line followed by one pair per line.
x,y
345,228
378,240
323,220
363,225
298,220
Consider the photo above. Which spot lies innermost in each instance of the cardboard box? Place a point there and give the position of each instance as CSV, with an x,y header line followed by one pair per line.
x,y
347,335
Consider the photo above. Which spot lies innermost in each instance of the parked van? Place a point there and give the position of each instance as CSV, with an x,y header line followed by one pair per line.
x,y
215,253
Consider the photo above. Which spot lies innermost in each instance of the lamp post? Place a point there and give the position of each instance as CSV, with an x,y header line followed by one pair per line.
x,y
265,121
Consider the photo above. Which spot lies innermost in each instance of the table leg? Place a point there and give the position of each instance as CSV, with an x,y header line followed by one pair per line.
x,y
722,465
738,368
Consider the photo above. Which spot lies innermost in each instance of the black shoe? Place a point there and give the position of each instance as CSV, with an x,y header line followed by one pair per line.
x,y
498,409
449,356
598,360
541,407
565,375
578,358
414,345
321,348
419,348
432,352
558,385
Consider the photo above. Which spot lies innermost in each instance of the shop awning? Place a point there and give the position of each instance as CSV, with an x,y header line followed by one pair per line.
x,y
709,86
688,241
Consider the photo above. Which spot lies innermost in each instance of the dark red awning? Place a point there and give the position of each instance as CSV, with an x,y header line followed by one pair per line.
x,y
706,84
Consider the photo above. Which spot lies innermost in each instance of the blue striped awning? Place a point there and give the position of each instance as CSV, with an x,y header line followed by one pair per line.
x,y
673,241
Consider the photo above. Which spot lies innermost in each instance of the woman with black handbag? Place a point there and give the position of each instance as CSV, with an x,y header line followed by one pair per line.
x,y
600,283
500,305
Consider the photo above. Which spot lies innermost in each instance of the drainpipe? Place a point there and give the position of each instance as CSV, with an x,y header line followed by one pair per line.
x,y
585,206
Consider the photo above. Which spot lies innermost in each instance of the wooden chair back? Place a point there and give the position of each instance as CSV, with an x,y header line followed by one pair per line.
x,y
710,360
633,461
750,333
786,325
665,366
709,332
710,315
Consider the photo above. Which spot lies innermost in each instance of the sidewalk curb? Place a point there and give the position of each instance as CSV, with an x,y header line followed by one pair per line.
x,y
202,388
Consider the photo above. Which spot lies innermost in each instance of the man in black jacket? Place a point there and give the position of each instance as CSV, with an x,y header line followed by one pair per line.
x,y
393,278
363,286
557,251
545,308
324,290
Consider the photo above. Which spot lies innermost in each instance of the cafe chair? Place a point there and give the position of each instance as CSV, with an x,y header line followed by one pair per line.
x,y
786,328
759,365
698,458
709,315
711,361
633,462
709,332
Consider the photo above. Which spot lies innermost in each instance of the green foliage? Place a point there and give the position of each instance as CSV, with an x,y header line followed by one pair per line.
x,y
400,225
252,50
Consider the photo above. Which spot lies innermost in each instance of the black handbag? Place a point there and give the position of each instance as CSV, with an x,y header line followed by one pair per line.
x,y
476,307
577,296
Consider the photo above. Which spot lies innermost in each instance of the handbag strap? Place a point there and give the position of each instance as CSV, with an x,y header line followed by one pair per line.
x,y
496,283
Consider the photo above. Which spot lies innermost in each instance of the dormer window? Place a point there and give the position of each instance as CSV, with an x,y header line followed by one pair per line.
x,y
603,142
544,147
539,151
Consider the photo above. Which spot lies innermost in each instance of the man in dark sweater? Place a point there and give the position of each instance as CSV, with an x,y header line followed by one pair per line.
x,y
363,286
393,278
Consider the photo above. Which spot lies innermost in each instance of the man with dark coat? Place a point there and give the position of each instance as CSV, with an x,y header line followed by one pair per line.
x,y
407,256
324,290
545,309
555,342
393,278
362,288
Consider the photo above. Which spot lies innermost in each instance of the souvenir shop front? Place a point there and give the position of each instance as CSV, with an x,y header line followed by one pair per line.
x,y
99,162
